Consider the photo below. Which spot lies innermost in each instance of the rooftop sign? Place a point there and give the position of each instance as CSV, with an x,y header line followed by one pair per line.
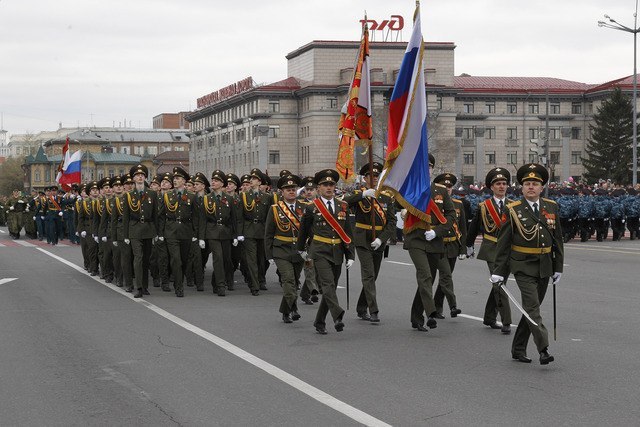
x,y
226,92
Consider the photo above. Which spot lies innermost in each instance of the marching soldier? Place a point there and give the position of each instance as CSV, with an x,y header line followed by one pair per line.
x,y
325,224
309,291
15,206
139,224
530,246
255,206
489,218
199,251
281,235
121,252
177,225
160,246
454,247
86,209
68,207
103,218
424,241
233,184
370,236
29,222
217,216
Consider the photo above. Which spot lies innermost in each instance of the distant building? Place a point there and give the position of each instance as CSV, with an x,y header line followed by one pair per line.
x,y
171,121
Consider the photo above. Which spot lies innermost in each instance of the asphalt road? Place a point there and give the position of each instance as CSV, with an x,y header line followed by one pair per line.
x,y
76,351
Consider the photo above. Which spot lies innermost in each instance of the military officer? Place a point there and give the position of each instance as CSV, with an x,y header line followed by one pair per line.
x,y
115,206
160,246
255,206
86,210
178,226
454,247
325,227
103,233
232,188
68,207
217,216
375,223
139,223
424,241
530,246
281,235
198,254
15,206
490,216
309,291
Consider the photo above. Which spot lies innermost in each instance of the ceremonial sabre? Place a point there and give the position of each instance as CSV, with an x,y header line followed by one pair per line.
x,y
347,289
554,312
517,304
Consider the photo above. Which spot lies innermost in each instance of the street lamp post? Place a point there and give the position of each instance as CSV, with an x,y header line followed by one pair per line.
x,y
614,25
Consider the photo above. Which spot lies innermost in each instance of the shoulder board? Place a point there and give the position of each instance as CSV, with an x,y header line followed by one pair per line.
x,y
303,202
549,201
456,200
387,193
440,185
513,204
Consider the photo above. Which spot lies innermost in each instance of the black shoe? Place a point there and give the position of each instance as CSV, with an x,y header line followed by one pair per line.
x,y
314,298
166,288
307,301
230,287
190,284
421,328
263,287
129,290
221,291
200,288
138,294
119,284
339,325
108,280
506,329
287,318
545,357
145,292
364,316
93,273
455,311
156,283
321,329
438,315
431,323
255,293
492,324
180,293
295,316
521,358
374,318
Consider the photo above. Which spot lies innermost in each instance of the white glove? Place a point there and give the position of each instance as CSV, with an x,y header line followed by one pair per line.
x,y
496,279
41,216
20,201
240,238
462,256
235,242
11,208
115,243
104,239
127,241
556,277
27,209
376,244
470,251
303,254
161,238
193,239
34,218
201,244
271,261
77,234
79,199
83,234
60,213
369,192
95,239
429,235
155,239
349,263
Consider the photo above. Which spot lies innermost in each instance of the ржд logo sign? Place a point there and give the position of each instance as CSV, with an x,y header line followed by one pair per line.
x,y
392,26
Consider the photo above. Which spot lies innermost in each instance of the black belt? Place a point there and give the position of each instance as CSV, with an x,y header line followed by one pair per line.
x,y
140,220
255,220
216,221
179,220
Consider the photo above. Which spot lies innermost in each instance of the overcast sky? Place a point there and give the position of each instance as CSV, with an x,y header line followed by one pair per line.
x,y
88,62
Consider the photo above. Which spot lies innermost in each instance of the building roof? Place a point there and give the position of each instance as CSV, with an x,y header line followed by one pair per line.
x,y
119,158
290,83
518,84
173,156
351,44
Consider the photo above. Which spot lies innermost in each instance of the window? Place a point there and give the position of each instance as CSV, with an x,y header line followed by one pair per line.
x,y
198,145
112,173
332,103
121,172
534,108
512,133
166,148
274,157
305,154
490,158
589,108
274,131
274,106
512,108
178,149
534,133
490,107
100,174
490,133
512,157
554,108
576,108
533,157
576,133
241,134
224,138
468,158
576,157
138,150
554,157
467,107
438,102
37,176
554,133
468,133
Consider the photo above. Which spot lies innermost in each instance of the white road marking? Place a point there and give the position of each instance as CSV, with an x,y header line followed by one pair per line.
x,y
7,280
479,319
629,252
25,244
2,231
400,263
311,391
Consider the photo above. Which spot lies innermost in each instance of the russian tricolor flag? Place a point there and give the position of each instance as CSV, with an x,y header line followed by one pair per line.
x,y
71,173
406,171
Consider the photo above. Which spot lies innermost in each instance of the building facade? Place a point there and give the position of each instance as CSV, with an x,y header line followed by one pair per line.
x,y
171,121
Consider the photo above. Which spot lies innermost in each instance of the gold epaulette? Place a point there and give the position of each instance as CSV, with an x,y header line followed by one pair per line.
x,y
514,204
549,201
387,193
439,185
456,200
